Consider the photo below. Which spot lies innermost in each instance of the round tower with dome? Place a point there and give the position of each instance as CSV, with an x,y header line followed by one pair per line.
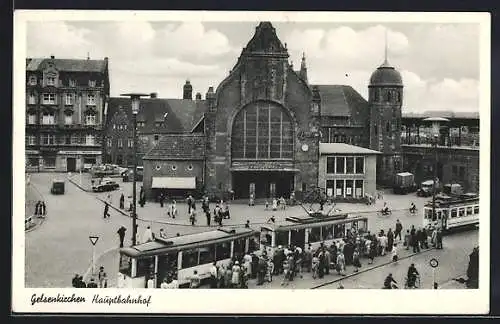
x,y
385,99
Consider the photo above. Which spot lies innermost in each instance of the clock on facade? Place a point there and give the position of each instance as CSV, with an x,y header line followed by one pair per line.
x,y
305,147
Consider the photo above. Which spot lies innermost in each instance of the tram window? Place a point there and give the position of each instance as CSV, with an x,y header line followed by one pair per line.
x,y
315,235
223,251
453,213
266,238
189,258
125,264
364,226
282,238
428,213
339,231
445,213
252,244
145,266
239,247
461,212
438,214
476,209
469,211
167,263
207,254
327,232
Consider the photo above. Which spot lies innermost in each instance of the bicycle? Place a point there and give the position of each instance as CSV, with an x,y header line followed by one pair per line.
x,y
415,285
381,213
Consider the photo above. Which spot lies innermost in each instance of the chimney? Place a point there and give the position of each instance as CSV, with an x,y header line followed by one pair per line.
x,y
188,91
153,95
198,96
210,97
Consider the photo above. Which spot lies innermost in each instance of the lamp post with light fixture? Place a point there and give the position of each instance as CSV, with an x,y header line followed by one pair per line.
x,y
135,98
436,128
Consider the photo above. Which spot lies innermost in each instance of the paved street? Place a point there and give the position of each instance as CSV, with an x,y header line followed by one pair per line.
x,y
61,247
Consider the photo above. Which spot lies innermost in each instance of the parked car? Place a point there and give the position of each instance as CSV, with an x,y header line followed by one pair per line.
x,y
105,184
426,188
129,174
57,187
453,189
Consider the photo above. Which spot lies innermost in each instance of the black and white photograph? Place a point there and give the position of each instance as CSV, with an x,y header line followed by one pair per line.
x,y
171,156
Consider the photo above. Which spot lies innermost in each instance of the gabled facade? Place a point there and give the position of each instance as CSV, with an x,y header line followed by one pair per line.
x,y
65,104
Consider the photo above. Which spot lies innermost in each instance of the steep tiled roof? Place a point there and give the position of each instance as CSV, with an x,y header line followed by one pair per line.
x,y
342,148
178,146
67,65
339,100
182,115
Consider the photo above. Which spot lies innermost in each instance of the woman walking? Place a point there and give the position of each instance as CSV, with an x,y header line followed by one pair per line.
x,y
355,260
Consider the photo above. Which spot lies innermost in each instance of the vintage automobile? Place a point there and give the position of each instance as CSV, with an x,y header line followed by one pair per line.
x,y
426,188
57,187
128,175
105,184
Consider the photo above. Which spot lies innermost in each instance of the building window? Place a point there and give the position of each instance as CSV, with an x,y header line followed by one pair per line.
x,y
330,164
109,143
349,188
359,188
339,188
141,124
90,119
120,142
68,119
49,162
360,165
159,124
158,167
157,137
388,127
190,167
48,139
462,172
262,130
349,165
92,83
31,99
67,139
75,139
48,118
340,162
69,99
49,99
130,143
174,167
30,140
31,119
375,129
89,140
72,83
51,81
32,80
454,170
91,100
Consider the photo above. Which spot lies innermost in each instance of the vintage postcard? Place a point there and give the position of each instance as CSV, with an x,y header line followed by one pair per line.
x,y
287,162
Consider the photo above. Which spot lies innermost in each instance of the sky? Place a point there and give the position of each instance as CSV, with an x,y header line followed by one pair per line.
x,y
439,63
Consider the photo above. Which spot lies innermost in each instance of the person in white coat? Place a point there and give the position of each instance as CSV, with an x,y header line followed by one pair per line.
x,y
235,279
148,235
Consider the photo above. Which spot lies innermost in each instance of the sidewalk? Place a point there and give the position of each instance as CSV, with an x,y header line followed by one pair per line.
x,y
32,196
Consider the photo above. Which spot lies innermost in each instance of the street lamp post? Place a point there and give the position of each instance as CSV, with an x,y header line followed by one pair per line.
x,y
135,98
436,127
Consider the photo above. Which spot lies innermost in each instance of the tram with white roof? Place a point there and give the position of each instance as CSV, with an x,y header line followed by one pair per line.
x,y
452,211
314,229
180,256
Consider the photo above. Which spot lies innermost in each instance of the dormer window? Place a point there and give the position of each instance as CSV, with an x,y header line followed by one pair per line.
x,y
91,100
51,81
32,80
72,83
92,83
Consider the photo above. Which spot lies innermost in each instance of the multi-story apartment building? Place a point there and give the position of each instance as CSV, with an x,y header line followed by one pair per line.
x,y
66,101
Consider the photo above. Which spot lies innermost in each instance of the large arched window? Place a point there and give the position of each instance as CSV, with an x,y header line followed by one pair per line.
x,y
262,130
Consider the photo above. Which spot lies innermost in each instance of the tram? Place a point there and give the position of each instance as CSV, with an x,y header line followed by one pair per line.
x,y
313,229
452,212
180,256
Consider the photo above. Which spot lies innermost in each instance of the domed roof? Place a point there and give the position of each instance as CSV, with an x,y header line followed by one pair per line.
x,y
386,75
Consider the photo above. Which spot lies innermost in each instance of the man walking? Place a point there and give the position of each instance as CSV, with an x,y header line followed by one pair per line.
x,y
162,199
106,210
121,233
399,228
122,201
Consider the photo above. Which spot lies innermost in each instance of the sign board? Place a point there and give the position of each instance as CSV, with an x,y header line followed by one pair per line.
x,y
329,192
93,239
434,263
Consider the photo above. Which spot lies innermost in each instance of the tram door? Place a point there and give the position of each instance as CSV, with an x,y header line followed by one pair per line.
x,y
298,238
167,265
